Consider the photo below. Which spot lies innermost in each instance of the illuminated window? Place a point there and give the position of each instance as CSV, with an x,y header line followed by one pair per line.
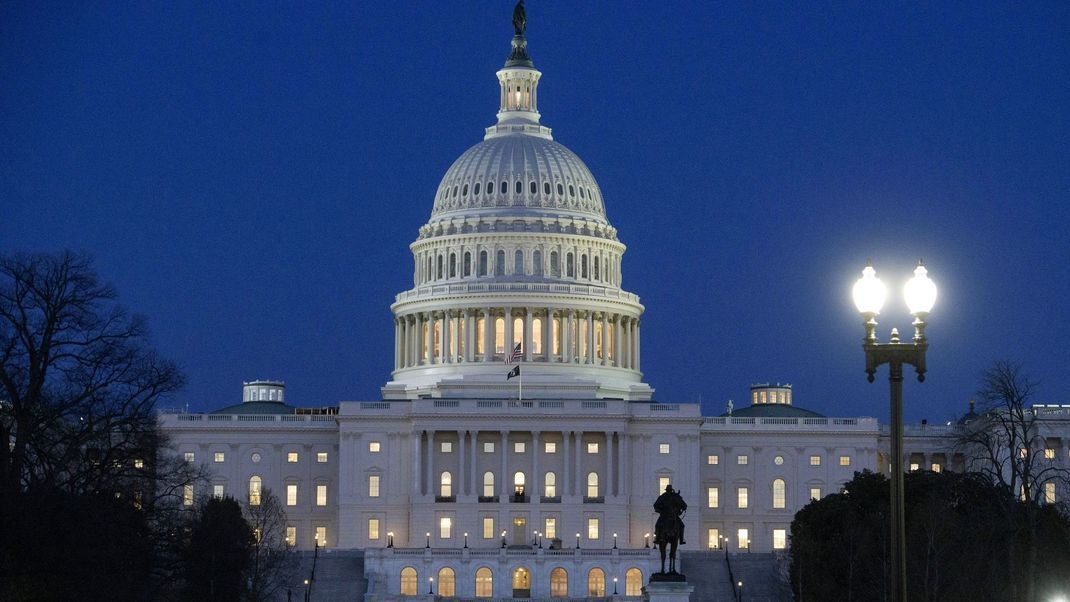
x,y
778,493
936,467
139,463
189,456
187,495
663,482
914,466
815,460
255,485
291,457
743,539
815,493
713,497
550,484
518,330
518,447
1049,454
518,482
291,495
713,538
373,528
741,497
845,460
408,581
445,527
321,495
488,447
481,326
713,459
1049,492
445,484
218,457
321,457
742,459
780,539
373,447
488,484
550,528
321,536
488,527
484,583
550,447
592,448
536,334
663,448
592,484
558,583
291,536
499,335
596,583
446,447
592,528
218,491
447,582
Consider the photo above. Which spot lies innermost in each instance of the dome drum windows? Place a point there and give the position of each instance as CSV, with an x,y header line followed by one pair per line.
x,y
560,189
467,269
490,188
464,190
475,189
519,187
546,188
534,188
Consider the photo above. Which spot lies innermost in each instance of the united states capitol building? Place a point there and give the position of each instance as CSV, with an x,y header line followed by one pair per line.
x,y
460,480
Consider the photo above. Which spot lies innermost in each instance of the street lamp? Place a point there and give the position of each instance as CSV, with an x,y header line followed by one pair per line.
x,y
614,541
428,535
614,586
431,585
920,295
740,584
646,540
389,539
503,538
577,541
466,540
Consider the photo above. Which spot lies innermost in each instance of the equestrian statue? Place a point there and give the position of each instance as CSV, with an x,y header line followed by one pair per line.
x,y
669,529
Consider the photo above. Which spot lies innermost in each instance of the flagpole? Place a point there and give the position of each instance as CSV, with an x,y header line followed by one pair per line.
x,y
520,385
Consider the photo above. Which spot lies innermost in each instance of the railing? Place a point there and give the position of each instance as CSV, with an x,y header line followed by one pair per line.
x,y
859,423
555,407
324,419
463,288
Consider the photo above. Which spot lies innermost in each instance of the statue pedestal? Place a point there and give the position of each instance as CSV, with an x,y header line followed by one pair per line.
x,y
667,591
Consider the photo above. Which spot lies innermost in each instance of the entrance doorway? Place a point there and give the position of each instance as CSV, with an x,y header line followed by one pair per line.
x,y
521,583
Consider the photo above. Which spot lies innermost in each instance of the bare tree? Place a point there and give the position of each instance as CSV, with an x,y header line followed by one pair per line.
x,y
273,560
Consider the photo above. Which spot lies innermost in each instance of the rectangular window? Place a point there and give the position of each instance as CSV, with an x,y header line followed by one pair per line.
x,y
291,457
488,447
743,539
218,491
373,485
713,459
321,536
550,530
713,497
219,457
780,539
1049,493
742,460
550,447
518,447
1049,453
488,527
742,495
321,495
187,495
373,528
845,460
663,448
713,538
914,467
321,457
446,447
445,527
291,495
663,482
373,447
936,467
815,460
592,448
815,493
592,528
188,457
139,463
291,536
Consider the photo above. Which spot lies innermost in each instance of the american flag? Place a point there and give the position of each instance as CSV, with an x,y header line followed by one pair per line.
x,y
515,355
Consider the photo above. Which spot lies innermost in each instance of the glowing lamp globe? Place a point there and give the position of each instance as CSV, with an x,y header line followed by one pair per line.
x,y
869,292
920,292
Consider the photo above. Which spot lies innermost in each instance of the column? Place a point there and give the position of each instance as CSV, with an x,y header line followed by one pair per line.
x,y
628,343
616,341
588,357
443,337
416,455
527,334
605,339
637,354
474,484
610,459
430,463
623,489
504,487
420,353
462,480
509,342
488,335
547,335
534,489
563,484
469,335
397,343
414,342
566,336
577,478
429,352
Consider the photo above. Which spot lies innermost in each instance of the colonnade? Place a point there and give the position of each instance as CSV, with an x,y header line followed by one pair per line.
x,y
487,334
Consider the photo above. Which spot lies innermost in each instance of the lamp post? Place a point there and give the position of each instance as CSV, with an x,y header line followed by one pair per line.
x,y
503,538
389,539
577,541
920,294
466,540
646,540
431,585
428,535
740,584
614,541
614,586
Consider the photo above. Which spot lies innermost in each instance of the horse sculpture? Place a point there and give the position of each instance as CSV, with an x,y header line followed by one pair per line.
x,y
669,529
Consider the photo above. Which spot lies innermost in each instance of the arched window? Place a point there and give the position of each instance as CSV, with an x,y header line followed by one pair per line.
x,y
570,267
596,583
255,485
481,326
633,582
518,262
560,189
484,583
445,484
536,262
592,484
556,336
454,192
546,188
581,192
437,341
408,581
550,484
490,187
555,267
499,335
536,336
518,331
499,263
583,267
504,187
475,190
571,190
521,582
533,187
519,187
447,582
518,482
778,493
482,263
453,265
423,342
598,340
440,267
467,264
464,191
558,583
596,277
488,484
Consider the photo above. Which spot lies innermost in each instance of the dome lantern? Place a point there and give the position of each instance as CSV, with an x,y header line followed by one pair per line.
x,y
518,81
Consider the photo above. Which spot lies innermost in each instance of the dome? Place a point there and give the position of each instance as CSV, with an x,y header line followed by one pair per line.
x,y
539,176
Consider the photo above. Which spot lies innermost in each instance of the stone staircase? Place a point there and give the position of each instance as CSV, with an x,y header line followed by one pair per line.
x,y
339,577
713,578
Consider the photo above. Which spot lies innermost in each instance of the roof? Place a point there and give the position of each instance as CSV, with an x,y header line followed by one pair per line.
x,y
774,410
257,407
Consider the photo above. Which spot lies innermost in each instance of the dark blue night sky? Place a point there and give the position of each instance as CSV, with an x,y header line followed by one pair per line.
x,y
249,175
